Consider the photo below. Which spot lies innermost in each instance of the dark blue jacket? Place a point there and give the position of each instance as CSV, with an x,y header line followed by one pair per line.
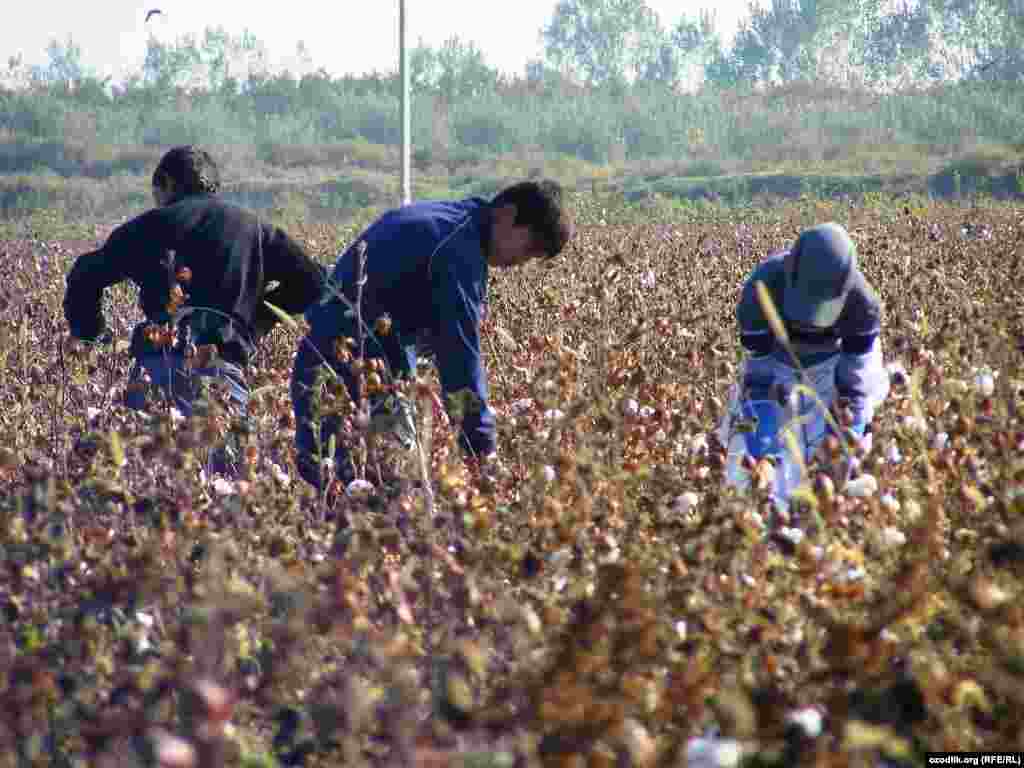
x,y
426,268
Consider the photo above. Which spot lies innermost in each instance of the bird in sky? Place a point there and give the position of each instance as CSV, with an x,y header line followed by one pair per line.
x,y
153,13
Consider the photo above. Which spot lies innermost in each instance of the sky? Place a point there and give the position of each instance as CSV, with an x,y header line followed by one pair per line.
x,y
345,36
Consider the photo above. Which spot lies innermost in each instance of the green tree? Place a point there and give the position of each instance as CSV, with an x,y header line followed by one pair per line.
x,y
776,43
896,48
457,70
64,70
978,38
602,41
682,55
167,66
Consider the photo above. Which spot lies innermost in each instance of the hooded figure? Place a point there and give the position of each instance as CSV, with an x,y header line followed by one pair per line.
x,y
832,320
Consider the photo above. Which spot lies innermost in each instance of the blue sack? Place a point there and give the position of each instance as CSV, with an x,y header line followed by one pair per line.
x,y
764,439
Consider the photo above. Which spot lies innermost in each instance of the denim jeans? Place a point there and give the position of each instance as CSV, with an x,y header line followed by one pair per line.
x,y
169,373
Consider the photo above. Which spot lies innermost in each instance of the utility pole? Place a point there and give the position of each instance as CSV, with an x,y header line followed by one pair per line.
x,y
403,72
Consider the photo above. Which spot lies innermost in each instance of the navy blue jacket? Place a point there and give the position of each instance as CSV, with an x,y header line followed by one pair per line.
x,y
426,268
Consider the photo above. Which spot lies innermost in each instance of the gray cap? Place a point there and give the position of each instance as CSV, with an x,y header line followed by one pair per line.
x,y
820,268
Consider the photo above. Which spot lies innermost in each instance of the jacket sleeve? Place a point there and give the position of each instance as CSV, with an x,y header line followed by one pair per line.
x,y
458,297
861,377
755,333
91,274
299,278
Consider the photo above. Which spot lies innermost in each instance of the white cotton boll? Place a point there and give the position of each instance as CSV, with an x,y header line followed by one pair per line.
x,y
793,535
359,488
699,444
940,440
177,416
553,414
862,487
686,502
808,720
866,443
646,412
892,538
985,383
893,455
611,558
532,621
145,619
223,487
681,630
854,573
519,406
712,753
170,750
92,412
548,473
890,502
915,423
648,279
630,407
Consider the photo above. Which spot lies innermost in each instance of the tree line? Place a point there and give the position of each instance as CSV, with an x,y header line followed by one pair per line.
x,y
617,55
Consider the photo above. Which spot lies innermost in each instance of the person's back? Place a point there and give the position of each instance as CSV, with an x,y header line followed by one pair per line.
x,y
220,255
860,318
399,269
205,269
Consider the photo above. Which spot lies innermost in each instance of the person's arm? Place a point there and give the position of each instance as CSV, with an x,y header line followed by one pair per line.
x,y
91,274
458,296
758,341
861,378
299,279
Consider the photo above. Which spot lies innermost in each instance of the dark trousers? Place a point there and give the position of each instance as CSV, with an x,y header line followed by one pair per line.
x,y
311,359
175,381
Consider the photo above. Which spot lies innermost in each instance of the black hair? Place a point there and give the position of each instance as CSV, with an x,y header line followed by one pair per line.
x,y
540,206
193,171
